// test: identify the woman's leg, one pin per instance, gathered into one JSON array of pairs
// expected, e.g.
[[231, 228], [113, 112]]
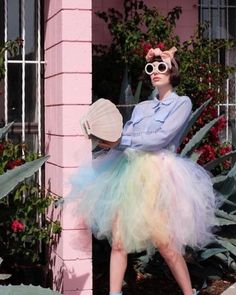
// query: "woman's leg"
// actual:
[[178, 267], [118, 260], [118, 264]]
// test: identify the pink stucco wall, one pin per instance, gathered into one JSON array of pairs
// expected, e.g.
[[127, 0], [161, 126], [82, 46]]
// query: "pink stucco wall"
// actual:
[[185, 25], [68, 40]]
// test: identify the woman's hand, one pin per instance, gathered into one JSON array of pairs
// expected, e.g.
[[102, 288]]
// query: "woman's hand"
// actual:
[[108, 144]]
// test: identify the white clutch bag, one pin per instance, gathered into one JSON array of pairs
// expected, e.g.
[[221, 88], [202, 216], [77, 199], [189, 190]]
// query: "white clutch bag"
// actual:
[[102, 121]]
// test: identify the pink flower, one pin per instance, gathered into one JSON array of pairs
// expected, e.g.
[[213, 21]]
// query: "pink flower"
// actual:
[[17, 226]]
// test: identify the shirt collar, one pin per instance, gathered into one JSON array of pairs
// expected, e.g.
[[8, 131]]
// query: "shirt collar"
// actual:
[[166, 101]]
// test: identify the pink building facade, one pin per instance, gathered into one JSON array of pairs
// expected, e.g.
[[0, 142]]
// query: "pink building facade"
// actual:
[[70, 29]]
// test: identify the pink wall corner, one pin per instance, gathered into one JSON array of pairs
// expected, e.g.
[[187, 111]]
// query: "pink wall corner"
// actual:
[[68, 81], [68, 151], [69, 88], [51, 7], [63, 24], [77, 274], [68, 117], [77, 4], [68, 57], [83, 292], [74, 245], [71, 276], [79, 19]]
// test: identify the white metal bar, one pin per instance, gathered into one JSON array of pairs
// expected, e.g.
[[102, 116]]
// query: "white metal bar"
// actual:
[[227, 109], [39, 99], [23, 68], [227, 104], [39, 77], [13, 61], [5, 65]]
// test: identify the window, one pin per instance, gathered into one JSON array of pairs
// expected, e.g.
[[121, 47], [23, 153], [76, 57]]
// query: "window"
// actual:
[[221, 15], [22, 89]]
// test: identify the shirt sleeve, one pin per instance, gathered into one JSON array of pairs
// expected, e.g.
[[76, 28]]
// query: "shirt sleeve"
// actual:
[[155, 141]]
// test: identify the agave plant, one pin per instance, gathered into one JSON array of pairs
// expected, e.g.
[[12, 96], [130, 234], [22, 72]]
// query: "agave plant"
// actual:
[[26, 290], [224, 246], [8, 181]]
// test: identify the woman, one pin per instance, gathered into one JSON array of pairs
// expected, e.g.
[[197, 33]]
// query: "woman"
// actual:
[[141, 195]]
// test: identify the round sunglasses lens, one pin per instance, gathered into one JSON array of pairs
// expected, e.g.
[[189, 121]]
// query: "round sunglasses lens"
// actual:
[[149, 69], [162, 68]]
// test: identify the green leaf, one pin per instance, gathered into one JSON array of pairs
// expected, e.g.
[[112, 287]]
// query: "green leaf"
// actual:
[[5, 129], [125, 93], [223, 221], [227, 185], [195, 156], [26, 290], [233, 131], [12, 177], [211, 165], [4, 276], [197, 138], [195, 115], [227, 260], [138, 92], [218, 179], [227, 245], [225, 215], [210, 252]]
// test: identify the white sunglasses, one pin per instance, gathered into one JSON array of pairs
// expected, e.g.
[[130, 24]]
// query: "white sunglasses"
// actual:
[[158, 67]]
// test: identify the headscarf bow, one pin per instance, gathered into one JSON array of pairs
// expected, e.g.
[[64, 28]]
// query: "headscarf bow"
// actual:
[[167, 55]]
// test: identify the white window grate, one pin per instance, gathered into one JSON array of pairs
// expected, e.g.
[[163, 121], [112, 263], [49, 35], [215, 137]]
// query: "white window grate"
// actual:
[[23, 19], [221, 15]]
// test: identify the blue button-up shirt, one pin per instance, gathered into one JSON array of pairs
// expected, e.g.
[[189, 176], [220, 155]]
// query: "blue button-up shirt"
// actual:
[[157, 124]]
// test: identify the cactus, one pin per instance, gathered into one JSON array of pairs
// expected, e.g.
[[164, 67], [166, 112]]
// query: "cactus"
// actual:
[[26, 290]]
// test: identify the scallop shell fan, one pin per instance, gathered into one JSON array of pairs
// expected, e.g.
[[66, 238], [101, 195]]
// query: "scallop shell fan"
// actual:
[[103, 120]]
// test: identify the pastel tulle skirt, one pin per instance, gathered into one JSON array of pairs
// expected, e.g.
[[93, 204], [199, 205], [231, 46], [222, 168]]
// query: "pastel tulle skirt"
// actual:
[[141, 200]]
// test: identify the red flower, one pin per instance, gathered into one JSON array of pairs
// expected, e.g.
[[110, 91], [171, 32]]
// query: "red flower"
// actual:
[[161, 46], [146, 47], [11, 164], [208, 153], [224, 150], [17, 226]]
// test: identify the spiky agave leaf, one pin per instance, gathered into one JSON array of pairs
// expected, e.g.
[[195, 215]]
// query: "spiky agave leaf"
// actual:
[[207, 253], [194, 116], [212, 164], [5, 129], [26, 290], [12, 177], [138, 92], [3, 276], [195, 141], [226, 185], [227, 245]]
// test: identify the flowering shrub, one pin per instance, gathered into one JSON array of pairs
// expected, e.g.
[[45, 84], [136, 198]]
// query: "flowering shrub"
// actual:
[[23, 227]]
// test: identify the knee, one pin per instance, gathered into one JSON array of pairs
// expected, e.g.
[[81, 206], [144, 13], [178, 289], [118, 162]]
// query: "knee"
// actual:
[[117, 247], [167, 253]]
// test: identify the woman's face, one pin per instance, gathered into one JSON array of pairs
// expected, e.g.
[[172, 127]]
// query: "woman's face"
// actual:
[[159, 79]]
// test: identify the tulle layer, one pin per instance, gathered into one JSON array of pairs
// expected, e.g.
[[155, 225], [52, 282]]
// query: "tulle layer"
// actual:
[[142, 200]]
